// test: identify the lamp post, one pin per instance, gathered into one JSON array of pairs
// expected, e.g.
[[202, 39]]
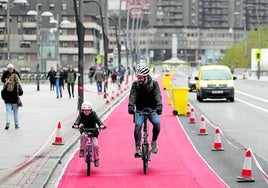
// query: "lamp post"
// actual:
[[56, 30], [259, 37], [117, 40], [38, 16], [105, 44], [9, 6]]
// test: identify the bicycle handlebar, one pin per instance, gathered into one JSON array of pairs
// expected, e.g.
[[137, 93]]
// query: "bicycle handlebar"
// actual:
[[146, 111], [81, 128]]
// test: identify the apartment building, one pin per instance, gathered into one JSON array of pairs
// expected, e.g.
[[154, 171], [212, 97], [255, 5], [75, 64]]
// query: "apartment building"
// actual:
[[48, 38], [204, 28]]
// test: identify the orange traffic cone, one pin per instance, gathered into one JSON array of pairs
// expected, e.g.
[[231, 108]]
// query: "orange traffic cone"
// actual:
[[112, 97], [58, 139], [246, 175], [217, 141], [192, 116], [107, 100], [188, 109], [118, 93], [202, 129]]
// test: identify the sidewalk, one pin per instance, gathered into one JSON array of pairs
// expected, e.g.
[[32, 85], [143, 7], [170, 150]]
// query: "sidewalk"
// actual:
[[28, 157]]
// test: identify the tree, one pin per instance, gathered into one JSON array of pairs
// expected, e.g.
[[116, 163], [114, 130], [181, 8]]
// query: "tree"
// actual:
[[235, 56]]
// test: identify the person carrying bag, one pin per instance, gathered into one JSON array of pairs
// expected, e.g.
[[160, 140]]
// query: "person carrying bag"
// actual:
[[10, 94]]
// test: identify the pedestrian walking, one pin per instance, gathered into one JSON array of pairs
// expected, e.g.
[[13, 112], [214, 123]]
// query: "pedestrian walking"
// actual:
[[122, 72], [59, 81], [99, 78], [70, 79], [91, 72], [11, 91], [50, 76]]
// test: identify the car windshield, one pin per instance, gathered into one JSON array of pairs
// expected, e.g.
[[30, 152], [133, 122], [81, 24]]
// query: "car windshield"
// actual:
[[216, 75]]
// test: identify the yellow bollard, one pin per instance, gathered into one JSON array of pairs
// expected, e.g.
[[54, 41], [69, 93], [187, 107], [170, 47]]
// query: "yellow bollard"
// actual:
[[170, 96], [166, 79]]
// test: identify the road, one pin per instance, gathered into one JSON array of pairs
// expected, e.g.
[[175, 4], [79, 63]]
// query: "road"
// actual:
[[243, 124]]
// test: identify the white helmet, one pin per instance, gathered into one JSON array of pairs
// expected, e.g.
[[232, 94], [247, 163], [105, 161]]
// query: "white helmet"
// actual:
[[86, 106], [142, 71]]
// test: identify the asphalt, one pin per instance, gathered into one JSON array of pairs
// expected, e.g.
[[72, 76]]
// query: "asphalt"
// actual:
[[28, 157]]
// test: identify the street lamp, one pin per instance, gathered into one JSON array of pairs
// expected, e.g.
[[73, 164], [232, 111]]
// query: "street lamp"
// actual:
[[36, 13], [259, 36], [9, 6], [56, 30], [117, 40]]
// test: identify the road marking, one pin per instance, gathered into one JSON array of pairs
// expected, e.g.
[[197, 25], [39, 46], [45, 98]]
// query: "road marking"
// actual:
[[252, 96], [254, 106]]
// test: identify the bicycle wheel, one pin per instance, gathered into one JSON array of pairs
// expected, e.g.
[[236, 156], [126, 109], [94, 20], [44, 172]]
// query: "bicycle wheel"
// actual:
[[145, 157], [88, 159]]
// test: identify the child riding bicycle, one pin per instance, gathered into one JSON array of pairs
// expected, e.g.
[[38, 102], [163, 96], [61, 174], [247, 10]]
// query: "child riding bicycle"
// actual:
[[89, 119], [145, 93]]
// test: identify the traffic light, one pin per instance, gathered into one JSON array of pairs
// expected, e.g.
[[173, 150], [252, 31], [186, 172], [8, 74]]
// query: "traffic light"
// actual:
[[258, 55]]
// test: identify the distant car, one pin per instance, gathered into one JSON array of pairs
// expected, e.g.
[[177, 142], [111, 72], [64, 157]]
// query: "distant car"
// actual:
[[192, 81], [215, 81]]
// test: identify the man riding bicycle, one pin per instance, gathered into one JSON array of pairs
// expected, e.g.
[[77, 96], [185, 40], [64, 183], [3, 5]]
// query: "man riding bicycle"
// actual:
[[145, 93]]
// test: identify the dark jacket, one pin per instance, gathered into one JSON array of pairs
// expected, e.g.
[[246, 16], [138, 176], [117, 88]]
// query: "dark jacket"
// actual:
[[145, 96], [61, 77], [50, 75], [89, 121], [7, 74], [11, 89]]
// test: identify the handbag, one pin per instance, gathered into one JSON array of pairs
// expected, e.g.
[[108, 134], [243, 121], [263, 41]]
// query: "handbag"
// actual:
[[19, 102], [20, 91]]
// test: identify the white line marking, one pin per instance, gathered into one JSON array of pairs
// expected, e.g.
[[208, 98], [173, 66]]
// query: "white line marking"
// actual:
[[252, 105], [252, 96]]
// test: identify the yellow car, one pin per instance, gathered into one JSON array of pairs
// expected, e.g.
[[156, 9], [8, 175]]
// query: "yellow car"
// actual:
[[215, 82]]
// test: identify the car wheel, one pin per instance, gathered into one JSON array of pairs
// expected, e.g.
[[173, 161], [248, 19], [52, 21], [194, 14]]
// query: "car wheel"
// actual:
[[231, 99]]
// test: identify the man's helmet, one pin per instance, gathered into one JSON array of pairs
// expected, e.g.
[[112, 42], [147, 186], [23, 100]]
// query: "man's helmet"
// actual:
[[86, 106], [142, 71]]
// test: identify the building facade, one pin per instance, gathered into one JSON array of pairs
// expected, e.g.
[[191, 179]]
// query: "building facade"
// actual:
[[204, 28], [47, 40]]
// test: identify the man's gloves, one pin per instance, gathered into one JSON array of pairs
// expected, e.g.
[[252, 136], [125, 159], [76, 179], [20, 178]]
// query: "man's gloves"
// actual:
[[131, 109], [158, 110]]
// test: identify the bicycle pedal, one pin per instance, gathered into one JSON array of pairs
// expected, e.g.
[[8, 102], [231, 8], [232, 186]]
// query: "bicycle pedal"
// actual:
[[137, 155]]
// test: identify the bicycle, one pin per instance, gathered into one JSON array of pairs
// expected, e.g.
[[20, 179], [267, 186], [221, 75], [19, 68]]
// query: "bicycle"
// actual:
[[88, 152], [146, 151]]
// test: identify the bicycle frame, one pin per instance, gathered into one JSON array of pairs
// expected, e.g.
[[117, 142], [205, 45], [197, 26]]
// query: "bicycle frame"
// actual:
[[146, 151], [88, 152]]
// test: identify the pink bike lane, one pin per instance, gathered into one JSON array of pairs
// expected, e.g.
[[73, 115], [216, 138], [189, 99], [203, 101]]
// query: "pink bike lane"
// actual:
[[176, 165]]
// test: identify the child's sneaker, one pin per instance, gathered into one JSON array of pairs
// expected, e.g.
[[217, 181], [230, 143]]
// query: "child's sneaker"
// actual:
[[97, 162], [81, 153]]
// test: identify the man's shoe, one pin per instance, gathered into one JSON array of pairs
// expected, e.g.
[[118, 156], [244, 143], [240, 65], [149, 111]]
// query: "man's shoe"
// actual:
[[138, 152], [154, 147], [97, 162], [17, 126], [81, 153]]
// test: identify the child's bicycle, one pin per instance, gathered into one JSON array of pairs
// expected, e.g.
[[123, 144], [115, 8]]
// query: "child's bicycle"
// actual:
[[146, 151], [88, 152]]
